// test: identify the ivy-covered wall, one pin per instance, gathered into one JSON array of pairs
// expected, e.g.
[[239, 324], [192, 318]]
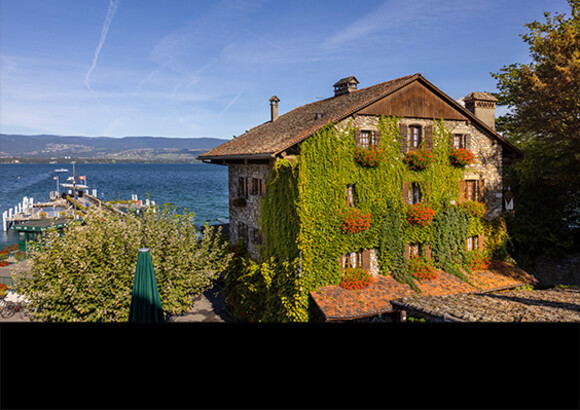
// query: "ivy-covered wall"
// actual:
[[306, 202]]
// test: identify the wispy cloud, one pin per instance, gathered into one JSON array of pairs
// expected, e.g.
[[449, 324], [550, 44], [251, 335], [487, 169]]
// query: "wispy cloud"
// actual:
[[104, 31]]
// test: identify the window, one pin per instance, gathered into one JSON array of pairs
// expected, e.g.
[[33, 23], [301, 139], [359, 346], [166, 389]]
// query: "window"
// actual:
[[414, 193], [350, 195], [472, 243], [365, 139], [458, 141], [472, 190], [242, 187], [351, 260], [414, 249], [414, 136]]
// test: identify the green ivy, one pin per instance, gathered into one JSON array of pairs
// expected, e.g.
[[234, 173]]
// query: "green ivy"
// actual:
[[302, 225]]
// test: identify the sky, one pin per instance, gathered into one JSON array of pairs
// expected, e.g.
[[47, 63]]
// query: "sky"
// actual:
[[207, 68]]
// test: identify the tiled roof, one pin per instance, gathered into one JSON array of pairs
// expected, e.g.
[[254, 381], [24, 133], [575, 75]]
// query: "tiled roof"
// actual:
[[337, 303], [548, 305], [275, 136]]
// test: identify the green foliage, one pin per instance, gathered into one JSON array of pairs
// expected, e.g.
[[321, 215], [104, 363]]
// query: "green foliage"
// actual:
[[543, 98], [87, 274], [303, 215]]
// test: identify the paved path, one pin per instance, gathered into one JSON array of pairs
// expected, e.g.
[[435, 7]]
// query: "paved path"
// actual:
[[210, 306]]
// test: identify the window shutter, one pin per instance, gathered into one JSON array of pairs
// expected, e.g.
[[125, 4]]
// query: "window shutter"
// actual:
[[481, 189], [366, 260], [428, 137], [467, 141], [405, 192], [357, 138], [404, 144], [461, 191], [480, 240], [427, 251], [377, 138], [406, 251]]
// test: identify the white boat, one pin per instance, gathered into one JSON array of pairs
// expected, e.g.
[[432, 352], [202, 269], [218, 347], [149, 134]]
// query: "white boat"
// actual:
[[77, 186], [61, 170]]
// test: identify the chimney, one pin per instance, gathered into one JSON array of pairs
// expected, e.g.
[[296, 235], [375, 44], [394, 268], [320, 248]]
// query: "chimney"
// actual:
[[345, 86], [482, 105], [274, 108]]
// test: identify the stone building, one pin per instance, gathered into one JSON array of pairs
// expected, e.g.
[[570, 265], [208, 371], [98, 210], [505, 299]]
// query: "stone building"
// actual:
[[417, 103]]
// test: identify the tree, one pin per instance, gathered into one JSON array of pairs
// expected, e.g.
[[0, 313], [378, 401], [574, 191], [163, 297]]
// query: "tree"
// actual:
[[544, 121], [87, 273]]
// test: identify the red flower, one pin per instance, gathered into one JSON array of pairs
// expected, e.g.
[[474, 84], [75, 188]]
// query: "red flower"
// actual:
[[421, 268], [418, 160], [368, 157], [355, 221], [461, 157], [420, 214], [356, 278]]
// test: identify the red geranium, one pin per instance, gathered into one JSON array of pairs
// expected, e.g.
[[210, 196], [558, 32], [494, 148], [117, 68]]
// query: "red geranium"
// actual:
[[356, 278], [461, 157], [355, 221], [368, 157], [420, 214], [478, 260], [421, 268], [477, 209], [418, 160]]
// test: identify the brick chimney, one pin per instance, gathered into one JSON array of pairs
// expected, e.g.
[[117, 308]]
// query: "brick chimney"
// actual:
[[482, 105], [345, 86], [274, 108]]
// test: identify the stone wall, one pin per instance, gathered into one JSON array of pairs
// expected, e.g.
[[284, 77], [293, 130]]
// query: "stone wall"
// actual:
[[248, 214], [488, 152]]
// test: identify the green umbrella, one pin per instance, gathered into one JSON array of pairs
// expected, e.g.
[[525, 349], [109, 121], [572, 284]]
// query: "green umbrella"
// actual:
[[145, 300]]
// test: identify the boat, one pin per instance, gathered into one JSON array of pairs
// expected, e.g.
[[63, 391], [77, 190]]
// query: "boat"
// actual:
[[61, 170]]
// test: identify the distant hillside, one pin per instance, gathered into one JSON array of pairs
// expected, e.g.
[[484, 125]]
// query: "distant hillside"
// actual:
[[131, 149]]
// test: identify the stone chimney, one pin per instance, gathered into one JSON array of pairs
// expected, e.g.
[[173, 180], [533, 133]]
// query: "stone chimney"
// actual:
[[345, 86], [274, 108], [482, 105]]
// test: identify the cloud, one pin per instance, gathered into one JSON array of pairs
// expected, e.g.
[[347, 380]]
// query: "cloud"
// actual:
[[107, 23]]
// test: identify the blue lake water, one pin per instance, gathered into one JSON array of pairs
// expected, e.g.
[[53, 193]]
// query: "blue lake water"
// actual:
[[201, 188]]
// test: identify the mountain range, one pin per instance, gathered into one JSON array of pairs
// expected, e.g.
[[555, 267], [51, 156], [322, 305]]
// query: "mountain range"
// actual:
[[42, 148]]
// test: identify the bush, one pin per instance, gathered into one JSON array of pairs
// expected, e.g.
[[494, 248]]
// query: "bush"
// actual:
[[87, 274]]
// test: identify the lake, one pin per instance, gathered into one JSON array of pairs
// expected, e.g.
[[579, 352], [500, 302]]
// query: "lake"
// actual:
[[201, 188]]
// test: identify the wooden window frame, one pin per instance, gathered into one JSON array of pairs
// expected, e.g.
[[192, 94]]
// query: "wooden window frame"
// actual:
[[472, 190], [472, 243], [412, 142], [458, 141]]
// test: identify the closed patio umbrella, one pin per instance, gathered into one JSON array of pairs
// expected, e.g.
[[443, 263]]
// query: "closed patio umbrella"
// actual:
[[145, 300]]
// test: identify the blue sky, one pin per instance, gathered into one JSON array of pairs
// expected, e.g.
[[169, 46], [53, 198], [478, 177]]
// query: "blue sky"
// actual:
[[206, 68]]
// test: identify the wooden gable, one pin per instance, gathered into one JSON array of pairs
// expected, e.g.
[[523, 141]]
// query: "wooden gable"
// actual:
[[414, 100]]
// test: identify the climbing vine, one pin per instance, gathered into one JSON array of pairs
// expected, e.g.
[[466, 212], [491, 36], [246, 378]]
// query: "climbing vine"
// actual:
[[308, 222]]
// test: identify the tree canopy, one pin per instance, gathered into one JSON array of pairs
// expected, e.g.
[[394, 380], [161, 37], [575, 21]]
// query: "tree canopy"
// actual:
[[543, 98], [87, 273]]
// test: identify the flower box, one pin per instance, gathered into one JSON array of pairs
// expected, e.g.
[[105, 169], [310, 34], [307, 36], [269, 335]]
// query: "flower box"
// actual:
[[355, 221], [420, 214], [418, 160], [368, 157], [461, 157], [356, 278]]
